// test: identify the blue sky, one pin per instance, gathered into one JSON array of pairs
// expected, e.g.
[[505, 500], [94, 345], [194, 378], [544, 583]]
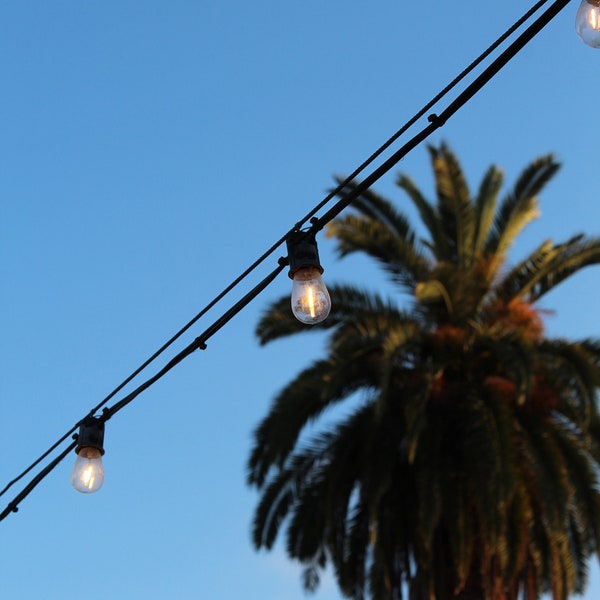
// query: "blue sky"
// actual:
[[149, 153]]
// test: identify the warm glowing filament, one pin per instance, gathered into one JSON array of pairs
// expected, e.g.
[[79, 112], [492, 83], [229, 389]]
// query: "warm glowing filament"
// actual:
[[311, 302], [88, 477], [593, 20]]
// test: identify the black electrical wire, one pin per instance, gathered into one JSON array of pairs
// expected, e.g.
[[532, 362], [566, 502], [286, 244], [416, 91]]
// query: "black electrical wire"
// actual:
[[437, 121], [13, 505], [517, 25], [198, 343], [317, 224], [280, 241]]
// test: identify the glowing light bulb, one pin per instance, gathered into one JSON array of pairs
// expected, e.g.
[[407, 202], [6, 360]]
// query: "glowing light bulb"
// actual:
[[88, 473], [310, 299], [587, 22]]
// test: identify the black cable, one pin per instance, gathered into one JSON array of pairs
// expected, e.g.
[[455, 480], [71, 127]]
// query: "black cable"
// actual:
[[198, 343], [164, 347], [280, 241], [424, 110], [13, 506], [317, 224], [438, 121]]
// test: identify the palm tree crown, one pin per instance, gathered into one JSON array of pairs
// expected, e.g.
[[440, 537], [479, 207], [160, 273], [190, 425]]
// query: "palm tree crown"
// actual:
[[468, 468]]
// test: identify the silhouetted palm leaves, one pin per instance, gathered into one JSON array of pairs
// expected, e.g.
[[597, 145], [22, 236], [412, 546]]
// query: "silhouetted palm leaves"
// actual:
[[468, 469]]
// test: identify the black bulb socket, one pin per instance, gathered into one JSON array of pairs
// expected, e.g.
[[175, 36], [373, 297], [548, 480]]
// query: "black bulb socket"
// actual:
[[302, 252], [91, 435]]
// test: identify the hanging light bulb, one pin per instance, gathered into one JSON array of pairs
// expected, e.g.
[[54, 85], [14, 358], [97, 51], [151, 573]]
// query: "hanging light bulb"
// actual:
[[310, 299], [587, 22], [88, 473]]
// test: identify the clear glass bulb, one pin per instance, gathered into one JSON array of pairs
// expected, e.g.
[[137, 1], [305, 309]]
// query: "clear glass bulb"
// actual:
[[310, 299], [587, 22], [88, 473]]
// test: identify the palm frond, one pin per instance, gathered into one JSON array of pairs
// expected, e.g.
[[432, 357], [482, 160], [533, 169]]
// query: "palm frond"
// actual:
[[375, 207], [520, 207], [485, 206], [279, 497], [573, 257], [428, 468], [512, 284], [306, 530], [401, 257], [547, 267], [575, 375], [469, 464], [351, 563], [549, 478], [585, 503], [461, 532], [519, 525], [454, 204], [353, 364], [316, 388], [429, 215]]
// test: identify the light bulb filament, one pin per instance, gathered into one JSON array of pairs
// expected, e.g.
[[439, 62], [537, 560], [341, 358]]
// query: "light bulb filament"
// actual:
[[311, 302], [88, 478]]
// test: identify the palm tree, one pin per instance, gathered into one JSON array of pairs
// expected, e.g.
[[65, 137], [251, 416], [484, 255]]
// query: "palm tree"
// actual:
[[467, 467]]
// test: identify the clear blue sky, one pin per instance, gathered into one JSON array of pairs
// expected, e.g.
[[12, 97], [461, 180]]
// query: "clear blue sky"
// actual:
[[149, 152]]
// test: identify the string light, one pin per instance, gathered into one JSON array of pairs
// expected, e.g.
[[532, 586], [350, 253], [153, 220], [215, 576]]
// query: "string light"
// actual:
[[587, 22], [88, 473], [302, 256], [310, 299]]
